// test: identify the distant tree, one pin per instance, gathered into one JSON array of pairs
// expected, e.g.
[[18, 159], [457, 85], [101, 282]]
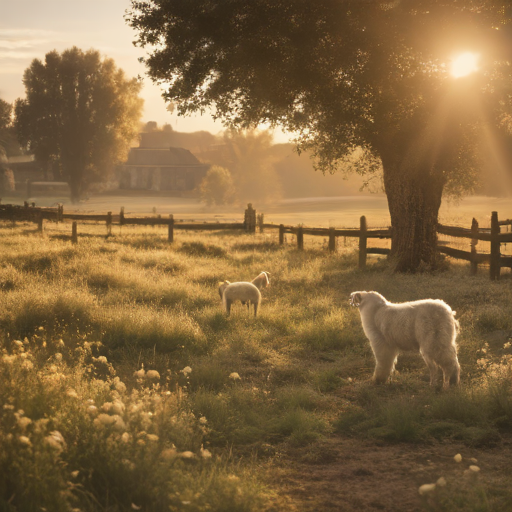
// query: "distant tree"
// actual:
[[9, 145], [79, 116], [217, 187], [5, 120], [247, 155], [345, 74]]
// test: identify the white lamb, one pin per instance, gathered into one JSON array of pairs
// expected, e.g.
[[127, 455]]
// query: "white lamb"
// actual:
[[245, 292], [427, 326]]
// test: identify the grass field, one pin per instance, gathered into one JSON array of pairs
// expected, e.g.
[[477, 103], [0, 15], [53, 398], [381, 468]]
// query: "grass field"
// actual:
[[125, 387]]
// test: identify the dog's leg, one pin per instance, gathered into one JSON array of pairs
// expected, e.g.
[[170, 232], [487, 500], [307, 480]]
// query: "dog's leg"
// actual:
[[385, 363]]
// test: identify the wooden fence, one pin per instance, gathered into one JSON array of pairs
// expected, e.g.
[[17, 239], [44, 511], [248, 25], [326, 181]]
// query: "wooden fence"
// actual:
[[475, 234]]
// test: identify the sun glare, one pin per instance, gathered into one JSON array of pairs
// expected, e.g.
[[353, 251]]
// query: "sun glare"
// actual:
[[464, 64]]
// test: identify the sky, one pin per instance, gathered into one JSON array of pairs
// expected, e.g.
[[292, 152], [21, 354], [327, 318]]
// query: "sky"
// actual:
[[29, 29]]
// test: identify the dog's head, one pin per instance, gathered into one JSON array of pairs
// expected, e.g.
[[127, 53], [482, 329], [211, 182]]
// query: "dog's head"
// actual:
[[222, 287], [356, 298], [368, 298]]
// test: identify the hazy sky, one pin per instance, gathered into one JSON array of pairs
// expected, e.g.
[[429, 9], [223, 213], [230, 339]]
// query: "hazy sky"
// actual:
[[31, 28]]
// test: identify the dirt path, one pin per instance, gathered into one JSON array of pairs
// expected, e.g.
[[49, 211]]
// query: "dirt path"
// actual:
[[350, 475]]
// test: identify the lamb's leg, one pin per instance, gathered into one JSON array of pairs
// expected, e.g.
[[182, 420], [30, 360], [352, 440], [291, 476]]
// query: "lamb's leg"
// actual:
[[255, 308], [385, 359], [228, 306], [432, 366]]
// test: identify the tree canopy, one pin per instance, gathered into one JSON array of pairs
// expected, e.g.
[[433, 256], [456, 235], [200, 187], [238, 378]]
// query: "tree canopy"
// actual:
[[79, 116], [346, 75]]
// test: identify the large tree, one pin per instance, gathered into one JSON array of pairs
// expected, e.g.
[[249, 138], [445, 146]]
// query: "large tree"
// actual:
[[347, 75], [79, 116]]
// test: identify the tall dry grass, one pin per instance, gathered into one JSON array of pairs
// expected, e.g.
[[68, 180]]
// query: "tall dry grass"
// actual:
[[78, 322]]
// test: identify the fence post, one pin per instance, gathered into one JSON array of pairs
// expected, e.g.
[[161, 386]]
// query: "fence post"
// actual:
[[170, 236], [300, 239], [260, 218], [74, 233], [121, 216], [495, 247], [362, 242], [109, 223], [332, 240], [281, 234], [250, 219], [474, 242], [40, 221]]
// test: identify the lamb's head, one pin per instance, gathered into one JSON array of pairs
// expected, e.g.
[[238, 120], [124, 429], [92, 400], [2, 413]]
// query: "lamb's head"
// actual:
[[222, 287], [263, 280], [360, 299]]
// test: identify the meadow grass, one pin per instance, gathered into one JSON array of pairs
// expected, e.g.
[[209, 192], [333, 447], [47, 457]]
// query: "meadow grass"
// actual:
[[120, 370]]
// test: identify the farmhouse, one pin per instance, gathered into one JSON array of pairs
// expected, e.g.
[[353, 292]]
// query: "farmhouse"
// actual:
[[161, 169]]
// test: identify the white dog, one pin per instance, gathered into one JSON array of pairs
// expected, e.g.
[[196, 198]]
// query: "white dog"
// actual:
[[427, 326]]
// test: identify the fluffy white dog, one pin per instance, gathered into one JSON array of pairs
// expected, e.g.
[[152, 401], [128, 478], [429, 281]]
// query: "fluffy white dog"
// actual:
[[427, 326]]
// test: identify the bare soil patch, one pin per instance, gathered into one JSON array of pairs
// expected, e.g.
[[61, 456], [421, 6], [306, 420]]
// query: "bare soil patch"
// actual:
[[348, 475]]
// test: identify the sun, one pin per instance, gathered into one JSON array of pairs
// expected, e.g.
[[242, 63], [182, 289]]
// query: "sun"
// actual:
[[464, 64]]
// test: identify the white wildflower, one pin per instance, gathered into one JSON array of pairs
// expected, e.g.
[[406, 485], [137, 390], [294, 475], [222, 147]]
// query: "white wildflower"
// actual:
[[117, 407], [101, 359], [8, 359], [234, 376], [187, 455], [186, 370], [152, 375], [441, 482], [118, 422], [475, 469], [203, 420], [139, 374], [426, 488], [152, 437], [56, 441], [18, 343], [24, 440], [27, 365], [92, 410], [58, 357], [119, 385], [458, 457], [74, 474], [125, 437], [24, 422], [473, 460], [169, 454], [72, 393], [104, 420], [135, 507]]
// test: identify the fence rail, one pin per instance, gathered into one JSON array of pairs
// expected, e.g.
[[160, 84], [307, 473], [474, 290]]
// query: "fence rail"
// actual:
[[476, 234]]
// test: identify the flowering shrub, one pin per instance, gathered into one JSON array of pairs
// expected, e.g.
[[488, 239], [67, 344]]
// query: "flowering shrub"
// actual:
[[74, 437]]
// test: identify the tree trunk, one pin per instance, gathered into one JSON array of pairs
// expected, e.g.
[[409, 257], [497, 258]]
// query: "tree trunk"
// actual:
[[414, 198]]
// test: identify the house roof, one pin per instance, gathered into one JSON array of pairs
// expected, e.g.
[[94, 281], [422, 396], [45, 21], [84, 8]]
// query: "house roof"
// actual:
[[162, 156]]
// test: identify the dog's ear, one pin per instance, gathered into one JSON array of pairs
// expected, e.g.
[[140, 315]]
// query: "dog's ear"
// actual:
[[355, 299]]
